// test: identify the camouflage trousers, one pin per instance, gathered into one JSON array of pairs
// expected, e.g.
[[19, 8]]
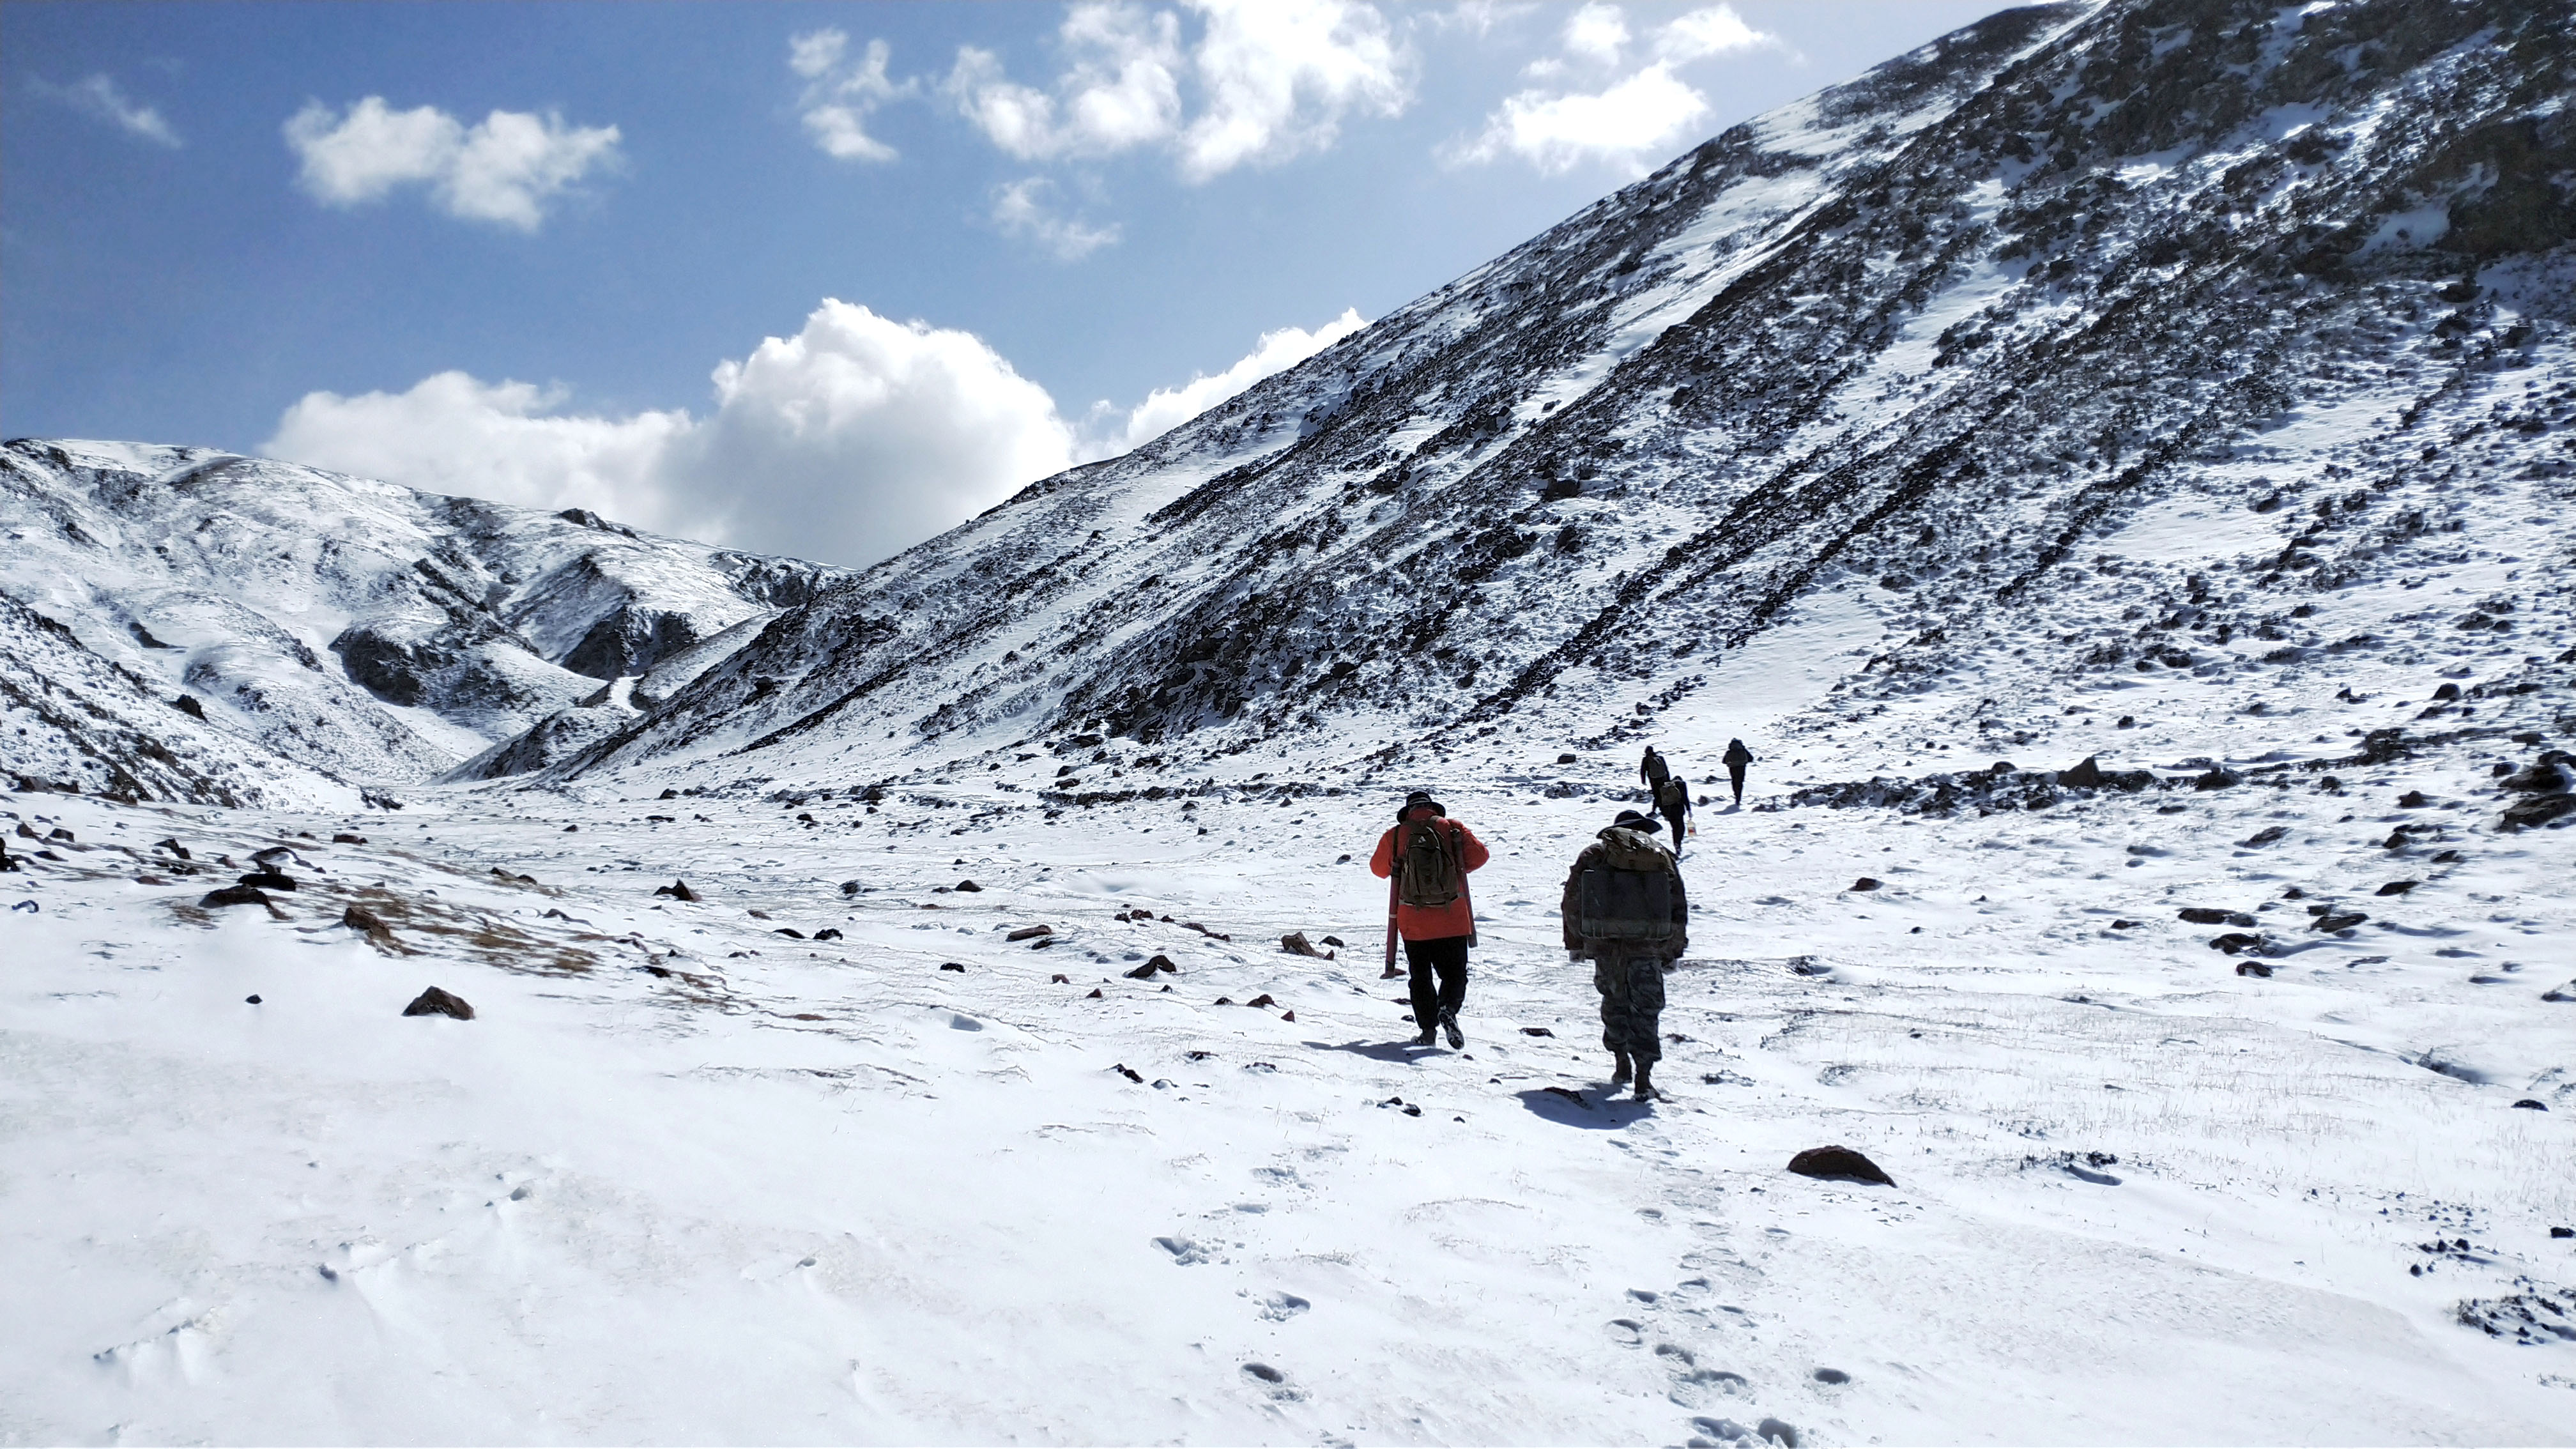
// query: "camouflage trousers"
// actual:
[[1632, 1001]]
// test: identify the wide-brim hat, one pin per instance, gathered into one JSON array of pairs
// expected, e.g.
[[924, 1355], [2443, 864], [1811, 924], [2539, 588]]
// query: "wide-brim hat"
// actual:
[[1632, 820], [1418, 798]]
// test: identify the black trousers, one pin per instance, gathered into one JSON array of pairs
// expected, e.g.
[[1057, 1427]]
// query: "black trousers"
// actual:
[[1675, 816], [1447, 956], [1735, 773]]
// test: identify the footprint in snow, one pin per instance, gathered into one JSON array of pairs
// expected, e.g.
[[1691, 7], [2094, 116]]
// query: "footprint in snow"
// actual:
[[1185, 1252], [1280, 1307]]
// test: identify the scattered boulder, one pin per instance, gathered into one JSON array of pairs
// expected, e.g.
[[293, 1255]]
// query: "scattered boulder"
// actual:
[[1838, 1162], [434, 1002], [2252, 968], [1296, 944], [2534, 1104], [1832, 1376], [345, 838], [359, 918], [1536, 1031], [677, 890], [1030, 933], [2085, 776], [1865, 883], [2234, 942], [2537, 811], [2264, 836], [790, 932], [2412, 800], [1262, 1000], [269, 880], [2212, 916], [189, 705], [1124, 1070], [2397, 887], [957, 966], [173, 846], [2560, 993], [1334, 941], [2333, 921], [2217, 777], [828, 933], [969, 887], [235, 895]]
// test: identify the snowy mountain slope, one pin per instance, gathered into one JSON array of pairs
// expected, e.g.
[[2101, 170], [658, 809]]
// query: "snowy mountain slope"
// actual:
[[1908, 351], [352, 628]]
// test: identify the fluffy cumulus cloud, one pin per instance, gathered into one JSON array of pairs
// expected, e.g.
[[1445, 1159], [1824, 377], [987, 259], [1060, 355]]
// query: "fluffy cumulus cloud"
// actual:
[[505, 169], [100, 97], [848, 442], [1600, 111], [1261, 81], [1165, 408], [840, 93]]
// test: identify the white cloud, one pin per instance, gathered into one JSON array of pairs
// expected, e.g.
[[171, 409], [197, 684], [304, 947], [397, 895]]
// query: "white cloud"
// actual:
[[848, 442], [502, 170], [1596, 33], [1279, 76], [1167, 408], [840, 95], [100, 96], [1630, 121], [1026, 208], [1121, 87], [1274, 79], [1716, 30]]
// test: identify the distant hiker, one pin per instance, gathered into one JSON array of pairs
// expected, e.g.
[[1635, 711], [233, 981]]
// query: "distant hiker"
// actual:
[[1653, 771], [1737, 757], [1425, 860], [1625, 912], [1672, 801]]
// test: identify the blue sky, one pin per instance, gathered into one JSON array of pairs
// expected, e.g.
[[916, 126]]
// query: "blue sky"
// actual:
[[582, 253]]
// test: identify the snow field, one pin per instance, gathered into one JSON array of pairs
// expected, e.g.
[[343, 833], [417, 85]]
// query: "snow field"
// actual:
[[829, 1191]]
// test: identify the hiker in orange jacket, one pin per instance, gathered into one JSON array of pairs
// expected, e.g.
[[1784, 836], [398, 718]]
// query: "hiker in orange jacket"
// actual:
[[1427, 857]]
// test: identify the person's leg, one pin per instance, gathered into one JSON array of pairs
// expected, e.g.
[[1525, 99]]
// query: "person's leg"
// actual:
[[1674, 818], [1735, 776], [1420, 955], [1645, 973], [1612, 982], [1452, 965]]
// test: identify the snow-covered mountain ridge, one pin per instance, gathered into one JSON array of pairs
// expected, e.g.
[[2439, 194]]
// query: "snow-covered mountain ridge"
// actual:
[[191, 624], [1913, 355]]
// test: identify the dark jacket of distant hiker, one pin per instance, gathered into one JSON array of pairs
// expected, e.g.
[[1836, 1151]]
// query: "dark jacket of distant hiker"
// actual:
[[1433, 923], [1628, 970], [1652, 771], [1672, 801], [1737, 757]]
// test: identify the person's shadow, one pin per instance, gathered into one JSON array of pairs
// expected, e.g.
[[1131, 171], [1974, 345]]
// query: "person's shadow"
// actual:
[[1596, 1109], [1377, 1051]]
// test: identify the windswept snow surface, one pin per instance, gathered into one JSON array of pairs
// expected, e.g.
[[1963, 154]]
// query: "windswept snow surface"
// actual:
[[686, 1178]]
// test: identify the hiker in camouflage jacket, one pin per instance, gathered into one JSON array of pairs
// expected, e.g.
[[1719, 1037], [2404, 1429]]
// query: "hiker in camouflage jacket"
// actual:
[[1630, 977]]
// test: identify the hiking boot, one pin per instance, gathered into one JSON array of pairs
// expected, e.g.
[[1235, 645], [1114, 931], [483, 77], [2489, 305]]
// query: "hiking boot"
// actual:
[[1449, 1024], [1430, 1037], [1619, 1069], [1645, 1088]]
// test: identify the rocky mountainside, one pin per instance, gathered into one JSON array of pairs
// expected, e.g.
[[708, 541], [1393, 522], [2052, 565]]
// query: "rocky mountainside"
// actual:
[[2089, 341], [182, 623]]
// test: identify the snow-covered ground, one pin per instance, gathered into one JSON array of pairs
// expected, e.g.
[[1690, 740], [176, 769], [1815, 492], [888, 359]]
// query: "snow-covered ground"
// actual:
[[687, 1178]]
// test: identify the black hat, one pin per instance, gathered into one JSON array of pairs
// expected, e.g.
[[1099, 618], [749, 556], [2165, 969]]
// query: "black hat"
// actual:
[[1631, 820], [1418, 797]]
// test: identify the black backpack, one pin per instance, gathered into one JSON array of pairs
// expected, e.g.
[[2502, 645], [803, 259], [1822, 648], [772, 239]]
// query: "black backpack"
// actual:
[[1656, 771], [1427, 869]]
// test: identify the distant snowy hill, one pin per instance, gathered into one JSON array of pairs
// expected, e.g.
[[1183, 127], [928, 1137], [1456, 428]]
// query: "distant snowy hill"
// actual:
[[182, 623], [2083, 342]]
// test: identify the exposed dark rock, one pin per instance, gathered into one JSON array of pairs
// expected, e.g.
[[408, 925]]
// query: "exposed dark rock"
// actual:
[[1865, 883], [2412, 800], [828, 933], [1296, 944], [2333, 921], [189, 705], [2264, 836], [2212, 916], [2252, 968], [434, 1002], [269, 880], [1536, 1031], [790, 932], [2236, 941], [1030, 933], [235, 895], [968, 886], [957, 966], [345, 838], [2534, 1103], [2217, 778], [677, 890], [1838, 1162], [359, 918], [2397, 887], [2086, 775]]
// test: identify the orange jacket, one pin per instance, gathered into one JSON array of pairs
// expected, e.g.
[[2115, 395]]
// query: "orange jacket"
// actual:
[[1433, 923]]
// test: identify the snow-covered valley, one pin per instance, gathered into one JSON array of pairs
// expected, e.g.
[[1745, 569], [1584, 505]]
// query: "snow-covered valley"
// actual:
[[2111, 466]]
